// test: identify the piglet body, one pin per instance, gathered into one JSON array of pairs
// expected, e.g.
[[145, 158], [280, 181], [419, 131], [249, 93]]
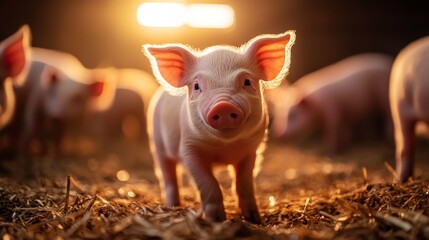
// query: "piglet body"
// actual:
[[409, 101], [222, 119], [333, 98]]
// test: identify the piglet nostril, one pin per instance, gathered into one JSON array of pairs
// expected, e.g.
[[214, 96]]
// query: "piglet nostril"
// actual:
[[224, 115]]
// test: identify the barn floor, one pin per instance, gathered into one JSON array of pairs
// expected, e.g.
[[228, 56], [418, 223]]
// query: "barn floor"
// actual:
[[302, 194]]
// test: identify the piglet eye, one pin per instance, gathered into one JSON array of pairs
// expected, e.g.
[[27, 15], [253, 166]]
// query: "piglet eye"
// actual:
[[248, 86], [196, 87]]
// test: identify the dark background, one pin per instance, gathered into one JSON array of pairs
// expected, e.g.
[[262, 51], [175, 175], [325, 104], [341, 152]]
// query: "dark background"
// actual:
[[106, 32]]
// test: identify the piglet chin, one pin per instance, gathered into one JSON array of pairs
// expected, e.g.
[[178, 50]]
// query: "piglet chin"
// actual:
[[224, 115]]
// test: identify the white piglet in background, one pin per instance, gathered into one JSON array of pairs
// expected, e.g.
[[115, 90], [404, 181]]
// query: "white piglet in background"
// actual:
[[14, 54], [334, 99], [127, 98], [222, 119], [409, 101], [57, 90]]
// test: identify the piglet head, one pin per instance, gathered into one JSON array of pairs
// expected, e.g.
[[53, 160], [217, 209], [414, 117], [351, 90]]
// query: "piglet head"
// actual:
[[224, 84], [294, 114], [14, 55], [65, 97]]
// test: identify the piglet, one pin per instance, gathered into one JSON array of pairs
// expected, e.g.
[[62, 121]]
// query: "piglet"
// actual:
[[14, 54], [334, 99], [409, 101], [222, 119], [57, 90], [124, 115]]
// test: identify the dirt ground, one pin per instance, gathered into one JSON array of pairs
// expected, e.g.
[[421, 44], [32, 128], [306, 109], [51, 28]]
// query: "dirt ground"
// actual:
[[303, 193]]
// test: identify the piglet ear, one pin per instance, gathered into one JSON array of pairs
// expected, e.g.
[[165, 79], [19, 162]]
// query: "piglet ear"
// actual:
[[96, 88], [14, 52], [102, 87], [170, 64], [272, 54]]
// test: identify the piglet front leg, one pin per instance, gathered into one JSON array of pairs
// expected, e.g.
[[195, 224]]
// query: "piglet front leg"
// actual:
[[168, 176], [211, 194], [245, 189], [25, 165]]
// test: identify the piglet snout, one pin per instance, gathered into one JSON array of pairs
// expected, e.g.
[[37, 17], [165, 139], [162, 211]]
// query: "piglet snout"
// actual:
[[224, 115]]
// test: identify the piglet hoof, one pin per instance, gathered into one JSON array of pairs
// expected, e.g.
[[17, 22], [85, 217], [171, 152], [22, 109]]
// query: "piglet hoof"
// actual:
[[403, 174], [249, 210], [404, 170], [215, 212], [172, 195], [253, 217], [173, 203]]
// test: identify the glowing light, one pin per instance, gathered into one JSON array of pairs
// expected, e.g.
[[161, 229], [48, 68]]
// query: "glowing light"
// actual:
[[121, 191], [131, 194], [165, 14], [210, 16], [123, 175], [290, 174], [272, 200], [161, 14]]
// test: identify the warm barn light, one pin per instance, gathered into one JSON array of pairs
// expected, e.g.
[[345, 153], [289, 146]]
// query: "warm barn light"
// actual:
[[165, 14], [161, 14], [210, 16]]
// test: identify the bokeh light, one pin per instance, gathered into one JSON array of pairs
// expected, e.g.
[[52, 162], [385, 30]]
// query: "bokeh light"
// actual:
[[272, 200], [123, 175], [131, 194]]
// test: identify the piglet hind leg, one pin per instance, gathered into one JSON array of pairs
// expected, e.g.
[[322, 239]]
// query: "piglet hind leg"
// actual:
[[57, 137], [405, 146], [245, 189], [56, 161], [333, 129]]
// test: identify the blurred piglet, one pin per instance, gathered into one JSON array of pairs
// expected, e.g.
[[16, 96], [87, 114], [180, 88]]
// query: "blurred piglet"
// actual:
[[333, 99], [57, 90], [409, 101], [123, 116], [222, 119], [14, 54]]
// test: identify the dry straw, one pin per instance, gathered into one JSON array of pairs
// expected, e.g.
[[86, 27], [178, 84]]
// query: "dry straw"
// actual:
[[69, 209]]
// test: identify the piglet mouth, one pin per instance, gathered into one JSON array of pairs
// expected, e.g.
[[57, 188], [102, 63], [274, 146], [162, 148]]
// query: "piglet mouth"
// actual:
[[224, 115]]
